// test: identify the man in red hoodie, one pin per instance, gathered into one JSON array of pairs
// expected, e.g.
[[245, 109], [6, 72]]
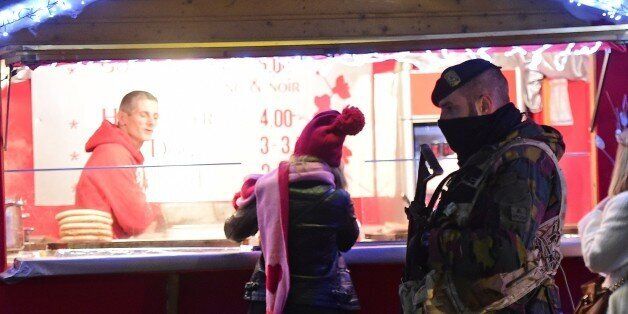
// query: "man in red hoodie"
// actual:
[[120, 191]]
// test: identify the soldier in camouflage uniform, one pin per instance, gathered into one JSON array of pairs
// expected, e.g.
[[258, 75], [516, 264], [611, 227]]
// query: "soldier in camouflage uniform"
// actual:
[[484, 234]]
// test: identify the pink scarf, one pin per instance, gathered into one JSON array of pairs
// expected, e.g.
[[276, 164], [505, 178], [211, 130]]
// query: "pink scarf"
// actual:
[[271, 194]]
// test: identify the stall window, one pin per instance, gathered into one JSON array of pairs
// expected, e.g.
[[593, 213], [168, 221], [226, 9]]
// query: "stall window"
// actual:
[[219, 120]]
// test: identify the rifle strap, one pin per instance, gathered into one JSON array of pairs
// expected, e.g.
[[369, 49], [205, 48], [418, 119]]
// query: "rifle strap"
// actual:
[[439, 190]]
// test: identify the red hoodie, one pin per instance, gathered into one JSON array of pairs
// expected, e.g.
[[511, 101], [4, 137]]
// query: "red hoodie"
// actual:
[[115, 190]]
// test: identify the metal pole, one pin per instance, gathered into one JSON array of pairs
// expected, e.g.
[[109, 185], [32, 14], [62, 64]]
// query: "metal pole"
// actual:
[[3, 249], [600, 86]]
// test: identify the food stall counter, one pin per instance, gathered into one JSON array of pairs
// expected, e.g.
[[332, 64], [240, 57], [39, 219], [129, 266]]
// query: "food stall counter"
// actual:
[[111, 260]]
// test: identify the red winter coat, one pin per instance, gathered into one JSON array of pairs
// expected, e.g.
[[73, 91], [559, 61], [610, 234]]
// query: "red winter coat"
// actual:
[[116, 191]]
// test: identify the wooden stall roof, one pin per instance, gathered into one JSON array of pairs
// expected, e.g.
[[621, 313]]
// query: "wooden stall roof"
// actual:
[[133, 29]]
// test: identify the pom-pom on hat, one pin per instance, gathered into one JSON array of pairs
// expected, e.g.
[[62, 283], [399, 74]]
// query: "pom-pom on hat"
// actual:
[[324, 136]]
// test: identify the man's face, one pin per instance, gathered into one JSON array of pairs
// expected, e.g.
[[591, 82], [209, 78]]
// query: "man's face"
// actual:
[[141, 122], [457, 105]]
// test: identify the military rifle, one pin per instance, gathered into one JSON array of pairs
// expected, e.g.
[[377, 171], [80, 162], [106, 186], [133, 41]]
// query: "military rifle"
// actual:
[[418, 216]]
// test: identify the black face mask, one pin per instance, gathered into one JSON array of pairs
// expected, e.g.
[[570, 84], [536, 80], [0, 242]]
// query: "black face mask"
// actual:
[[467, 135]]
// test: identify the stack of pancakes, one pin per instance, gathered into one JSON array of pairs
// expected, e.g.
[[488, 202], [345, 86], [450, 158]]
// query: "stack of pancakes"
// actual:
[[84, 225]]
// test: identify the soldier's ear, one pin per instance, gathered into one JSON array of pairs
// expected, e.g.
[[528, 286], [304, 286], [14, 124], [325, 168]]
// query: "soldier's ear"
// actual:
[[485, 105]]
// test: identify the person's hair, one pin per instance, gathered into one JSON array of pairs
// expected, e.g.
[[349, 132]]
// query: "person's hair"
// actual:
[[339, 177], [619, 178], [491, 82], [127, 104]]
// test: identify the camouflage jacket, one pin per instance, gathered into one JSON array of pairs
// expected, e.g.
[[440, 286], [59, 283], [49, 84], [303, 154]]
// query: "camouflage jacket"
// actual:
[[519, 194]]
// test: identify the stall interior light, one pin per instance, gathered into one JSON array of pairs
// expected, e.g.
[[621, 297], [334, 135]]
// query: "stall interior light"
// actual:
[[613, 9], [27, 14]]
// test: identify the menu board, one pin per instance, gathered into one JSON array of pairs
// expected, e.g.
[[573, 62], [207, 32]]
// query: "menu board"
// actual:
[[220, 119]]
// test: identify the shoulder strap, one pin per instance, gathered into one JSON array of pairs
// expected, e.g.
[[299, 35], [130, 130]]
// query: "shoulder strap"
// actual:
[[439, 189]]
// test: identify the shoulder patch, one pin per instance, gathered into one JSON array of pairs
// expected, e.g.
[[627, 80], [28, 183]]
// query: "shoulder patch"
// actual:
[[518, 214]]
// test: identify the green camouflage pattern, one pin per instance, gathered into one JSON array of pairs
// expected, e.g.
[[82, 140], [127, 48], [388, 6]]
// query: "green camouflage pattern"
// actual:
[[520, 192]]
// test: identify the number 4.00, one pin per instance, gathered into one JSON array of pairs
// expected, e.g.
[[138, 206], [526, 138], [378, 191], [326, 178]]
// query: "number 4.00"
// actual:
[[281, 118]]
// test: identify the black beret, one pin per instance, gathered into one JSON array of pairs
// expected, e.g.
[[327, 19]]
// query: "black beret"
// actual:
[[456, 76]]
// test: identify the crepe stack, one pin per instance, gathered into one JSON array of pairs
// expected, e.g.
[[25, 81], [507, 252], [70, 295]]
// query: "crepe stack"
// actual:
[[84, 225]]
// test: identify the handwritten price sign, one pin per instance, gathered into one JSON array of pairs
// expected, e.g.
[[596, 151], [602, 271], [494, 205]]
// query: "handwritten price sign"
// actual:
[[248, 111]]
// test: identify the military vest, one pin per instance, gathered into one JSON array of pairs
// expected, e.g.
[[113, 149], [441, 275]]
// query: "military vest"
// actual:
[[437, 292]]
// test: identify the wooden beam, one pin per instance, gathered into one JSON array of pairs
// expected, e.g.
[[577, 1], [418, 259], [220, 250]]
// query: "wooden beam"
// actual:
[[167, 21], [33, 54]]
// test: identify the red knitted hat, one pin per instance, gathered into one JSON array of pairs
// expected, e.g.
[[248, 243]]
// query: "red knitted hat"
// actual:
[[324, 135]]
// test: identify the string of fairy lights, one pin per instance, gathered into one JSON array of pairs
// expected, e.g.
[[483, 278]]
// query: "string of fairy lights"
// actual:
[[612, 9], [30, 13]]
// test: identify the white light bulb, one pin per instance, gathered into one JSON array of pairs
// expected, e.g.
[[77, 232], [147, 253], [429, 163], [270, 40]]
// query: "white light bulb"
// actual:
[[65, 5], [470, 52], [39, 15], [83, 2], [19, 8], [599, 142], [5, 34], [483, 53], [617, 18]]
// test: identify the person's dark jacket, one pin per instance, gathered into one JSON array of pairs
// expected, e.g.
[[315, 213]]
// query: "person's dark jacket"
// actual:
[[322, 225]]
